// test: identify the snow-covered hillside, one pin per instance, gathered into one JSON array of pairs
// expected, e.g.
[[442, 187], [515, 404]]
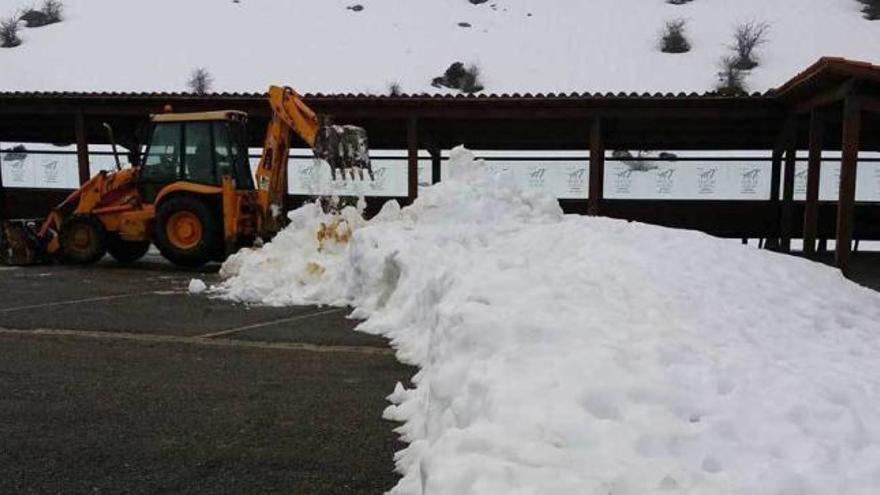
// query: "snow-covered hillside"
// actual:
[[576, 355], [322, 46]]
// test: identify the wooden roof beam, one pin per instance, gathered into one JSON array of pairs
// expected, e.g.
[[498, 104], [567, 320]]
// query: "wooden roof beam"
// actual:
[[825, 98]]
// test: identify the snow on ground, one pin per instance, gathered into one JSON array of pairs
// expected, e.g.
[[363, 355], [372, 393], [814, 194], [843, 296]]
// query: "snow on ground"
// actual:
[[321, 46], [577, 355]]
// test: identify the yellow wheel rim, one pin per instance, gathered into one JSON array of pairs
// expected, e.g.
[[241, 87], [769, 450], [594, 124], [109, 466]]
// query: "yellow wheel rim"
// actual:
[[82, 237], [184, 230]]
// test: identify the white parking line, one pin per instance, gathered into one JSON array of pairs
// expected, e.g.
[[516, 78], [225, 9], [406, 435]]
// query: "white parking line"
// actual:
[[77, 301], [199, 341], [269, 323]]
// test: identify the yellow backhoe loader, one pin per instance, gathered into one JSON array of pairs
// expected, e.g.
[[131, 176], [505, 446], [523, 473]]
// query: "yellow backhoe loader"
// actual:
[[193, 194]]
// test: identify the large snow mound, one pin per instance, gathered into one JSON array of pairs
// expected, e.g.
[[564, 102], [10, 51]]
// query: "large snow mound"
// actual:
[[566, 354], [322, 46]]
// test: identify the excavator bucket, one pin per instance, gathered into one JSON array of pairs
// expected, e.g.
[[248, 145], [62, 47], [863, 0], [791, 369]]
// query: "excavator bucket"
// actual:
[[20, 244], [346, 149]]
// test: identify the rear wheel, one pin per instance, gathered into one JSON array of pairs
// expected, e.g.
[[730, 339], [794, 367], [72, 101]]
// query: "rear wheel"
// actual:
[[126, 251], [186, 231], [83, 240]]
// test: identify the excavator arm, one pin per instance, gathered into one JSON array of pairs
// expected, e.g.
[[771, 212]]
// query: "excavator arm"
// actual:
[[345, 149]]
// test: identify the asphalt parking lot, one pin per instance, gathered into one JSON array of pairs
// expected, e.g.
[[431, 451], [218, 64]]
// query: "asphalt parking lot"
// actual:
[[115, 380]]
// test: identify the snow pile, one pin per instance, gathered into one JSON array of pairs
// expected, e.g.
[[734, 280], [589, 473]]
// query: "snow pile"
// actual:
[[519, 45], [566, 354]]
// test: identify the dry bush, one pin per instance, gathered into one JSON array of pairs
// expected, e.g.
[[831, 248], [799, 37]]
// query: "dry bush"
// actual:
[[394, 89], [54, 10], [9, 33], [457, 76], [50, 12], [871, 9], [200, 81], [746, 38], [673, 39], [731, 79]]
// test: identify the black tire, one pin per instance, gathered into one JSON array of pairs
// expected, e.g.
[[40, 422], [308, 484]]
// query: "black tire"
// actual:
[[83, 240], [126, 251], [207, 243]]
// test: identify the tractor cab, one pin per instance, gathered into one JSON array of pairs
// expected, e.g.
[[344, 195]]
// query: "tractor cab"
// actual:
[[200, 148]]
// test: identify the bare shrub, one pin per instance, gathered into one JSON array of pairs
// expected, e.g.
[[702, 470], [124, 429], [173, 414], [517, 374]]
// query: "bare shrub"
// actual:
[[471, 81], [746, 38], [51, 12], [54, 10], [731, 79], [871, 9], [457, 76], [673, 39], [200, 81], [9, 33], [394, 89]]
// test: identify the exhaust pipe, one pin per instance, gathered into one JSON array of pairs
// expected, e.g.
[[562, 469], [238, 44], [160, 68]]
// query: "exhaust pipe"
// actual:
[[113, 143]]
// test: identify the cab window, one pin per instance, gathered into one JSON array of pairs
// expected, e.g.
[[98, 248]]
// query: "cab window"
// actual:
[[222, 150], [162, 163], [198, 159], [244, 178]]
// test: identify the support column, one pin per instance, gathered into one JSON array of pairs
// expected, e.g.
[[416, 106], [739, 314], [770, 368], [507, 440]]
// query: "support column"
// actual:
[[852, 124], [772, 242], [82, 148], [436, 160], [412, 143], [597, 168], [814, 171], [2, 190], [787, 195]]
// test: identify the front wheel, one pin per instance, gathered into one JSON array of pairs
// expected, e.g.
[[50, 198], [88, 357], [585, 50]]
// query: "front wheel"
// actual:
[[186, 231], [83, 240]]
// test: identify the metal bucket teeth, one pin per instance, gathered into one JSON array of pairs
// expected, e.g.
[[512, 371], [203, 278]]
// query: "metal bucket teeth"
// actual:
[[345, 148], [19, 244]]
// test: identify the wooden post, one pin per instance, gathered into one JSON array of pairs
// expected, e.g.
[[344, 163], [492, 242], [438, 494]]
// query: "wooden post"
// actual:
[[814, 170], [787, 195], [2, 189], [597, 168], [412, 143], [775, 172], [436, 160], [82, 148], [852, 124]]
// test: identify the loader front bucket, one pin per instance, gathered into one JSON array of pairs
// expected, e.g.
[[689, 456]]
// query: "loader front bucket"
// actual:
[[346, 150], [20, 244]]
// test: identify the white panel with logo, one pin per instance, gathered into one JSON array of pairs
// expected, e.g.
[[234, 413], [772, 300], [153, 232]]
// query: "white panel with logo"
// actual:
[[693, 180], [563, 174]]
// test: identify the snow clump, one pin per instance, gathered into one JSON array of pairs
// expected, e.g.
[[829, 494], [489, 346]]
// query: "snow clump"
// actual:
[[196, 286]]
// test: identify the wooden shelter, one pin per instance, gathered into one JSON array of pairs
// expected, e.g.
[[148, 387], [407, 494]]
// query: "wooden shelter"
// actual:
[[832, 105]]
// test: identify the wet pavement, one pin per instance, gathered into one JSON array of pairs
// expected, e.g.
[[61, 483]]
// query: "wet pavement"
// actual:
[[115, 380]]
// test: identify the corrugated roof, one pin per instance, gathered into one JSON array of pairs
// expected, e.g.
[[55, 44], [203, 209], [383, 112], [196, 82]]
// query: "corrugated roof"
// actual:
[[826, 71], [339, 96], [829, 68]]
